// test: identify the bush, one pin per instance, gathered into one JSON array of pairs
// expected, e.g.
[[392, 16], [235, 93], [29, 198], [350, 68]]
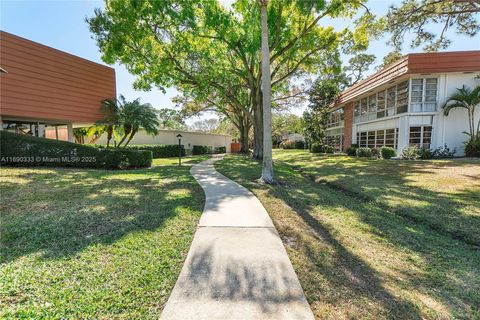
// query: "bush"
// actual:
[[387, 152], [410, 153], [159, 151], [321, 148], [364, 152], [443, 153], [472, 148], [199, 150], [375, 152], [425, 153], [352, 150], [299, 144], [220, 150], [287, 144], [22, 150], [328, 149], [316, 148]]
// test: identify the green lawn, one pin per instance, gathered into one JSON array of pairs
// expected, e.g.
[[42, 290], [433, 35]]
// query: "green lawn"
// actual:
[[91, 243], [174, 161], [376, 239]]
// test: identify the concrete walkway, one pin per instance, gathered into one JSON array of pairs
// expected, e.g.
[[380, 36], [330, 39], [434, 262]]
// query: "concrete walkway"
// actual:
[[237, 267]]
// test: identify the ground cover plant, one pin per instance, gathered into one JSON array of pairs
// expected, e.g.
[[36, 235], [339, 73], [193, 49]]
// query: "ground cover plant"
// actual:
[[361, 238], [79, 243]]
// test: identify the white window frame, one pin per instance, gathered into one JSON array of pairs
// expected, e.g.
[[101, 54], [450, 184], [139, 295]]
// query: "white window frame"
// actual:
[[424, 95]]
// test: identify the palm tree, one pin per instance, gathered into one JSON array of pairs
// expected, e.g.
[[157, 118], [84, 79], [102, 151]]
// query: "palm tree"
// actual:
[[110, 122], [468, 99], [134, 116], [267, 168]]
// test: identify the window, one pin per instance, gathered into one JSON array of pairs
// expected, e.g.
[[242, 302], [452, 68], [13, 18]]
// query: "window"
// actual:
[[391, 138], [381, 104], [335, 118], [424, 95], [402, 97], [334, 138], [391, 92], [372, 107], [421, 136], [393, 100], [378, 138], [362, 140]]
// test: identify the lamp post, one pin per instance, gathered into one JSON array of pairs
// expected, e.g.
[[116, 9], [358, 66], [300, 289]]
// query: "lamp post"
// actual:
[[179, 136]]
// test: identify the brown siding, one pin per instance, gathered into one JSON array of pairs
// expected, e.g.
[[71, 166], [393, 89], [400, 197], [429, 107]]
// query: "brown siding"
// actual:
[[435, 62], [458, 61], [348, 124], [45, 83]]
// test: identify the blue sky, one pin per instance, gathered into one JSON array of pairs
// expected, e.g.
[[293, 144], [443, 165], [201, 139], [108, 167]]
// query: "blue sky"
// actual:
[[61, 25]]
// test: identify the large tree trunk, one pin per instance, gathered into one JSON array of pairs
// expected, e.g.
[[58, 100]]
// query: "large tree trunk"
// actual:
[[244, 135], [267, 168], [258, 132]]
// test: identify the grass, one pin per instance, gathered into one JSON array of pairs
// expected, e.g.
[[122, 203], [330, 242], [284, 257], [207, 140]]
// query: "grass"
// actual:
[[356, 258], [189, 160], [92, 243]]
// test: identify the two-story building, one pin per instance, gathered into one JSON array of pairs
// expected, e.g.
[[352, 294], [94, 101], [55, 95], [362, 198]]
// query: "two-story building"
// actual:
[[401, 105]]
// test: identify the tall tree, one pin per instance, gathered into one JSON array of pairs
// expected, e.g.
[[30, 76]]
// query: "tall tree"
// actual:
[[267, 167], [207, 51], [357, 66], [390, 58], [415, 15], [171, 119]]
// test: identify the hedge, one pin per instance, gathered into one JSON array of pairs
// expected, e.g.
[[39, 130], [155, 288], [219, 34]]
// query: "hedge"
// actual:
[[197, 150], [22, 150], [158, 150]]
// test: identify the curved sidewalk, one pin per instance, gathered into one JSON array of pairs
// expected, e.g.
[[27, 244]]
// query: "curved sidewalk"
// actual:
[[237, 267]]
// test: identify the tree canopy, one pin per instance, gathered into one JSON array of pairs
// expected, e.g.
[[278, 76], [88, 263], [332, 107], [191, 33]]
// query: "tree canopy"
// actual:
[[212, 55], [414, 16]]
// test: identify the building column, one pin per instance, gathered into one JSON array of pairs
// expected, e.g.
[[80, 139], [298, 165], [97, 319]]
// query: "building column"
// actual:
[[347, 126], [71, 138], [403, 133], [1, 123]]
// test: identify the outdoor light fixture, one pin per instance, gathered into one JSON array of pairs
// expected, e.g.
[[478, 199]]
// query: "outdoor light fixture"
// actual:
[[179, 136]]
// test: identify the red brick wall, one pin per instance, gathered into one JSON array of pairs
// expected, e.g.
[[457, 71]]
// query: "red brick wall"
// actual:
[[347, 130]]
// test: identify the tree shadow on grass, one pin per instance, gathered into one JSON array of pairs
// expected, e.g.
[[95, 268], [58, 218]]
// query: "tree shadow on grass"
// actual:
[[448, 271], [59, 212], [388, 184]]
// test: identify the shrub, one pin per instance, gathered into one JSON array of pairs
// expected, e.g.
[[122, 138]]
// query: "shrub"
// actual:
[[21, 150], [321, 148], [443, 153], [199, 150], [352, 150], [410, 153], [160, 151], [328, 149], [375, 152], [364, 152], [299, 144], [316, 148], [287, 144], [472, 148], [387, 152], [220, 150], [425, 153]]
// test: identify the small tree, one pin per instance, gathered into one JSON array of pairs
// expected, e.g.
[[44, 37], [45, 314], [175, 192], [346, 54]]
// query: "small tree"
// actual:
[[110, 108], [134, 116], [468, 99]]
